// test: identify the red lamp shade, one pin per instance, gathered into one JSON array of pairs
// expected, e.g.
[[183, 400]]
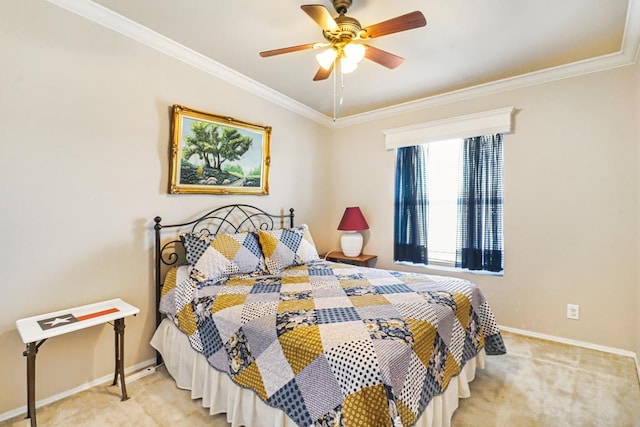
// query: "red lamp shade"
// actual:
[[353, 220]]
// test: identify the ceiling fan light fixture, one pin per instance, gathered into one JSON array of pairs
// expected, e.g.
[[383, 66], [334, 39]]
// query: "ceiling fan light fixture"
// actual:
[[347, 65], [354, 52], [326, 58]]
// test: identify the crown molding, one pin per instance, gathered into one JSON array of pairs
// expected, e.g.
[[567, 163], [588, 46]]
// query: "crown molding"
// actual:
[[551, 74], [125, 26]]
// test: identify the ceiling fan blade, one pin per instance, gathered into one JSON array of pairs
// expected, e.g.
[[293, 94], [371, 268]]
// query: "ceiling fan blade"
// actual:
[[323, 74], [395, 25], [321, 15], [273, 52], [382, 57]]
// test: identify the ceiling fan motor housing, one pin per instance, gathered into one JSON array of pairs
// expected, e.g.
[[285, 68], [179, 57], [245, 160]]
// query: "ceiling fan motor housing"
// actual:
[[348, 29]]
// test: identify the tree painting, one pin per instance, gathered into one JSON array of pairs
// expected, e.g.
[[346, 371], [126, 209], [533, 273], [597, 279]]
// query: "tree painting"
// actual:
[[213, 154], [209, 153]]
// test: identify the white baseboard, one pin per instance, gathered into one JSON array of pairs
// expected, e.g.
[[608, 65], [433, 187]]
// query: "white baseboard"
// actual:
[[141, 374], [140, 370], [577, 343]]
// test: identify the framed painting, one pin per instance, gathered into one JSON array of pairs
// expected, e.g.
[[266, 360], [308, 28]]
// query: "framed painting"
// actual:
[[213, 154]]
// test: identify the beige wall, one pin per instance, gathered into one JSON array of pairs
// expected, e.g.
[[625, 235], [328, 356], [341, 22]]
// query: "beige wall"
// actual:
[[571, 203], [84, 128]]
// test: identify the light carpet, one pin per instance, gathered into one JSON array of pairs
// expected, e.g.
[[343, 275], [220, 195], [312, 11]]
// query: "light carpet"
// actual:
[[537, 383]]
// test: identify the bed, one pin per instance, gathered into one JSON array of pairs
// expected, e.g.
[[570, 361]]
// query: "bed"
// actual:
[[257, 326]]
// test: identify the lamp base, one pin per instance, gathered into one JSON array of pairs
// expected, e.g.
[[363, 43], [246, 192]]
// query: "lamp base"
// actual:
[[351, 243]]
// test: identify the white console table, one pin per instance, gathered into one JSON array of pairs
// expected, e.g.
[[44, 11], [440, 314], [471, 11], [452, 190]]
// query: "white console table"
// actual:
[[35, 330]]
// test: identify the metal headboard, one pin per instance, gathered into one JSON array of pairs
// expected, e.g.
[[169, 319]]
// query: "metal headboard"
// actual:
[[225, 219]]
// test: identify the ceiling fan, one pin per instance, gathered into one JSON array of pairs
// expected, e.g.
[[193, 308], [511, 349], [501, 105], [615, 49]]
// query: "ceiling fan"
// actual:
[[347, 40]]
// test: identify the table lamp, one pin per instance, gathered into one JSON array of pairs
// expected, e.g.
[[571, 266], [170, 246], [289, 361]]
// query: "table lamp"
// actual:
[[352, 222]]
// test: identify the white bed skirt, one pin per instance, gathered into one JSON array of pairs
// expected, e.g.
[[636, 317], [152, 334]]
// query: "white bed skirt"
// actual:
[[243, 407]]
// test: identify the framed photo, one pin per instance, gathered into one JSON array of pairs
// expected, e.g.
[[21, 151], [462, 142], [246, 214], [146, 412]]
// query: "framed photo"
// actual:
[[213, 154]]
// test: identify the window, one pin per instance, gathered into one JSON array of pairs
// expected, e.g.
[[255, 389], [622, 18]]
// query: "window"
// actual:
[[443, 182], [452, 213], [448, 201]]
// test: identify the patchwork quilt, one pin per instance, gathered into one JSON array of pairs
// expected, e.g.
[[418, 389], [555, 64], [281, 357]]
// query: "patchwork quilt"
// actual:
[[332, 344]]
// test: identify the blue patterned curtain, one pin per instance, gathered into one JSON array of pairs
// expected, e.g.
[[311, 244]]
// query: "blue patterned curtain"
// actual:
[[479, 243], [411, 206]]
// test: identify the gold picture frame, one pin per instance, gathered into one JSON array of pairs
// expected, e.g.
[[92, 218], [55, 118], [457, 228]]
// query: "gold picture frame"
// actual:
[[213, 154]]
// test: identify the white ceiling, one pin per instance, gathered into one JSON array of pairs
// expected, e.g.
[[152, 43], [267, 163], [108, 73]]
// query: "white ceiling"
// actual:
[[466, 43]]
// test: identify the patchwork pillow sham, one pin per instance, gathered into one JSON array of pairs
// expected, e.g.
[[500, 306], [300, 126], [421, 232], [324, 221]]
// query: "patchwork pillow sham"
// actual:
[[287, 247], [218, 255]]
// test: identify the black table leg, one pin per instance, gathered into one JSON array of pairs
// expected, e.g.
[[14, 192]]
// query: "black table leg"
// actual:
[[30, 354], [118, 327]]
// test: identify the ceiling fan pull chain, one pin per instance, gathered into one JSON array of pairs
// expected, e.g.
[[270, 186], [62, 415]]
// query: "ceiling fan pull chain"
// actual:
[[341, 89], [335, 84]]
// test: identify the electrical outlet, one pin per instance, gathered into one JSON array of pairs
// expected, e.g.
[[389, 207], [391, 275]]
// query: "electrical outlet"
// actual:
[[573, 311]]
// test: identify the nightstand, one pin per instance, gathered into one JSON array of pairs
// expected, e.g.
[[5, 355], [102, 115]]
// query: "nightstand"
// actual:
[[361, 260]]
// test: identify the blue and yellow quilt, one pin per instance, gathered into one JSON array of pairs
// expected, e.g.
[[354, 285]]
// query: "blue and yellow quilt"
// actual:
[[336, 345]]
